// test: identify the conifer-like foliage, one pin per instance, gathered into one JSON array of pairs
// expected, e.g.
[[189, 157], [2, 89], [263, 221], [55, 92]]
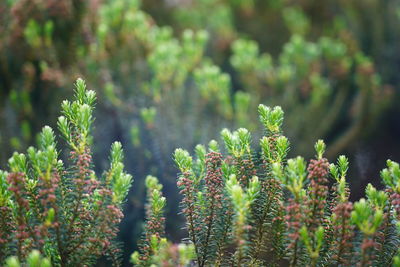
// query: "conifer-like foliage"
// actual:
[[155, 250], [63, 210], [249, 208]]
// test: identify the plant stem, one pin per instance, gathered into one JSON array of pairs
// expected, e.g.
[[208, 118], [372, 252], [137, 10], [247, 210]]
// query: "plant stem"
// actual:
[[209, 229], [294, 260]]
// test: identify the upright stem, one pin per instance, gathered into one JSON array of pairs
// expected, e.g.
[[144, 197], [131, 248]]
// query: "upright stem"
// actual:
[[294, 260], [260, 231], [209, 228], [340, 250], [192, 235], [240, 249]]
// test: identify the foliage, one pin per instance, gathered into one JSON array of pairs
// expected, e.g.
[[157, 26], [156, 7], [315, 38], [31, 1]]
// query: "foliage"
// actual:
[[152, 75], [155, 250], [321, 84], [172, 73], [34, 259], [67, 213], [38, 49], [312, 82], [244, 208]]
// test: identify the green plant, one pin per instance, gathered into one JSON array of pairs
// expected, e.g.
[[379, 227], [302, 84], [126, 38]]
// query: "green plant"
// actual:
[[174, 78], [170, 75], [244, 208], [39, 48], [34, 259], [154, 247], [67, 212], [313, 82]]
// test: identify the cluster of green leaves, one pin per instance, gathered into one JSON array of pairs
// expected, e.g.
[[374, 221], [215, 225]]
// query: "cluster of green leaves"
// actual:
[[66, 212], [310, 80], [250, 209]]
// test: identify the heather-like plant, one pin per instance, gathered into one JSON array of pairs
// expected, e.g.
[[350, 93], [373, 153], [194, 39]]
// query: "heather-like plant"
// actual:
[[155, 222], [63, 210], [41, 41], [311, 81], [248, 208], [368, 26], [162, 82], [321, 84], [155, 250], [171, 76]]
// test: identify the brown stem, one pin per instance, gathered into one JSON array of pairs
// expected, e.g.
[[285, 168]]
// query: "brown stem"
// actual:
[[75, 211]]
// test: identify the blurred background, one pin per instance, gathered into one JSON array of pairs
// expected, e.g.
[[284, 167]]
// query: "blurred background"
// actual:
[[173, 73]]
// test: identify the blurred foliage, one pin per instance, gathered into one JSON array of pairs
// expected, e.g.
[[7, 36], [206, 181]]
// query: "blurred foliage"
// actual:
[[174, 72]]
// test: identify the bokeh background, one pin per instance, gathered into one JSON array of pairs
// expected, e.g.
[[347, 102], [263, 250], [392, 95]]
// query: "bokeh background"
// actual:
[[173, 73]]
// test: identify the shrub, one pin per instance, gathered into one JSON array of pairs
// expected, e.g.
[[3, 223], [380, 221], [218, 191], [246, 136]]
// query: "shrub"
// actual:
[[244, 208], [312, 81], [41, 41], [320, 82], [166, 86], [170, 75], [66, 212]]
